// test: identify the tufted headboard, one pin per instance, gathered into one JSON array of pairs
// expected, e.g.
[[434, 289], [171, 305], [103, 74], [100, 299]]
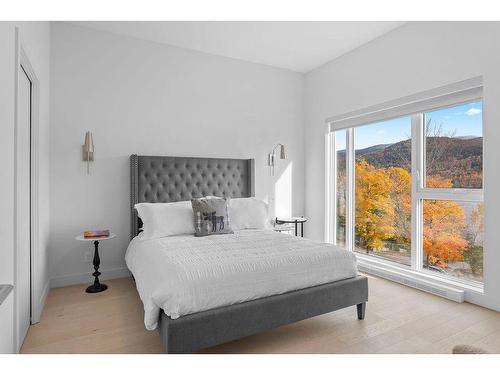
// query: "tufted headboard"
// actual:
[[162, 179]]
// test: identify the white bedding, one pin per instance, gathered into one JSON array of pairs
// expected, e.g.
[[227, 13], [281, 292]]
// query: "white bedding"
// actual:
[[186, 274]]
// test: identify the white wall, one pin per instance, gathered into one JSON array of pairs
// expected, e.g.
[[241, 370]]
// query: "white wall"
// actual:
[[7, 46], [35, 38], [147, 98], [413, 58]]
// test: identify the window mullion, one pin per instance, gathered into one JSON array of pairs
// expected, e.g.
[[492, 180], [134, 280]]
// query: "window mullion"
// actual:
[[327, 185], [350, 190], [333, 190], [418, 174], [329, 176], [452, 194]]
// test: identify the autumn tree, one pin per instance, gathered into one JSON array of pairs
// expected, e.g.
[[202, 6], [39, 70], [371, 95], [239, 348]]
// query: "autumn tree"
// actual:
[[474, 254], [444, 226], [449, 156], [374, 210], [476, 228], [383, 213], [437, 146], [400, 195]]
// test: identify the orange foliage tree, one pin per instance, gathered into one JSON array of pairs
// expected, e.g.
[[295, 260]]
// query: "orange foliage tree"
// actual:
[[374, 210], [383, 212], [400, 194], [444, 228]]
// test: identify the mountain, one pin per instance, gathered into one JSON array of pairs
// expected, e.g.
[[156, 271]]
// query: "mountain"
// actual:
[[458, 159], [366, 151], [373, 149]]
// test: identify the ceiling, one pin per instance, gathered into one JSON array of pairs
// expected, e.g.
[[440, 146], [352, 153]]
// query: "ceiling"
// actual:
[[298, 46]]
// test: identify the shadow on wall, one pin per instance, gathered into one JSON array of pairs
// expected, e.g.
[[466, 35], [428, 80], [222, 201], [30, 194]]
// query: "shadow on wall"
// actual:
[[283, 193]]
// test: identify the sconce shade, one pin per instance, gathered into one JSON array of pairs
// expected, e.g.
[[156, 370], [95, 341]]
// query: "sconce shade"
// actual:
[[271, 157], [283, 152], [88, 149], [89, 143]]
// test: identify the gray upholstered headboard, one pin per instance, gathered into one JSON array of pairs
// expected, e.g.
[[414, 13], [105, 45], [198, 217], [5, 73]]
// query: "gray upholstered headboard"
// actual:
[[162, 179]]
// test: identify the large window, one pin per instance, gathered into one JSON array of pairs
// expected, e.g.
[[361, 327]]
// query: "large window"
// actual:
[[408, 190], [382, 216], [452, 211]]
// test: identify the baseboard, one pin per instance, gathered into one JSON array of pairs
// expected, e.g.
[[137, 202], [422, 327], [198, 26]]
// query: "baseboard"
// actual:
[[446, 291], [41, 303], [86, 278]]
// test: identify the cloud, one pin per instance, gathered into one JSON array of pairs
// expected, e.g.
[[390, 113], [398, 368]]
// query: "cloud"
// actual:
[[473, 112]]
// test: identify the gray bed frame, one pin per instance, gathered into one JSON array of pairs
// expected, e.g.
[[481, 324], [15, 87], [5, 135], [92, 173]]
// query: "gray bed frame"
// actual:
[[170, 179]]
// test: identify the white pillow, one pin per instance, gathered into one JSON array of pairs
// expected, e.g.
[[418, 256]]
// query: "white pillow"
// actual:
[[248, 213], [166, 219]]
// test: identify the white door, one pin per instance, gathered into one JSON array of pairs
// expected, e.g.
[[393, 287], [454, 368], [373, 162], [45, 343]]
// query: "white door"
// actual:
[[23, 288]]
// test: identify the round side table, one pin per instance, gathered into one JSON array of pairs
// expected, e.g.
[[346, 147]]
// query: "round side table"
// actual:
[[293, 220], [97, 286]]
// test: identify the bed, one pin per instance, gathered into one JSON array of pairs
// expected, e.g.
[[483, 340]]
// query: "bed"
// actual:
[[200, 292]]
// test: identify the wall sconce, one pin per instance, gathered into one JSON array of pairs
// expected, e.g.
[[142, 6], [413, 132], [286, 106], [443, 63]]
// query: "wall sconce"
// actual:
[[88, 149], [272, 156]]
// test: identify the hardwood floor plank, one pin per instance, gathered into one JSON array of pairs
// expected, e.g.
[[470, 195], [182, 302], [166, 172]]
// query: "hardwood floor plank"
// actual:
[[398, 320]]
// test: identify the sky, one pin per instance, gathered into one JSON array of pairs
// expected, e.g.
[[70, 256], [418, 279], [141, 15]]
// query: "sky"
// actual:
[[463, 120]]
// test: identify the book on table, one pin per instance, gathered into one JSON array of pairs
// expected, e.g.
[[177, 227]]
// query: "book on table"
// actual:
[[96, 233]]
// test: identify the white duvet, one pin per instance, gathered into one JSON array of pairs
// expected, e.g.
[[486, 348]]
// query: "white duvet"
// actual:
[[186, 274]]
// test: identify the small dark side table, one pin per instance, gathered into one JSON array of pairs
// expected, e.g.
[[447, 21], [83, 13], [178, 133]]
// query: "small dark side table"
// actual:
[[97, 286], [293, 220]]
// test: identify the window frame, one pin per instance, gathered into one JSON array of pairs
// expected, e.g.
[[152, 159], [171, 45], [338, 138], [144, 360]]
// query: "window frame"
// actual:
[[415, 106]]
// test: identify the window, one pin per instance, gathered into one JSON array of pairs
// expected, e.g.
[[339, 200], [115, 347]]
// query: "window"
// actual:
[[454, 147], [452, 211], [383, 190], [452, 238], [408, 188]]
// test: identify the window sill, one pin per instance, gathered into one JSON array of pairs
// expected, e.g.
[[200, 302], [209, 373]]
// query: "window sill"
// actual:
[[414, 279]]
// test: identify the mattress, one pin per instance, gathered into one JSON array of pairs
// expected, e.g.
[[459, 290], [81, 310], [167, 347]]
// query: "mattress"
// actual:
[[185, 274]]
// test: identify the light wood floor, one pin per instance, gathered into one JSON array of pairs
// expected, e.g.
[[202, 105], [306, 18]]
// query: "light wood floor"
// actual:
[[398, 320]]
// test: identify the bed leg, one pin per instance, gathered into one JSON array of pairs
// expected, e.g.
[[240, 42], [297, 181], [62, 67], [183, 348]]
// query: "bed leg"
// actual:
[[361, 310]]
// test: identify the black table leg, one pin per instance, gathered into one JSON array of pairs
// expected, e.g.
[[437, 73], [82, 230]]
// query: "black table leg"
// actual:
[[302, 229], [296, 229], [97, 287]]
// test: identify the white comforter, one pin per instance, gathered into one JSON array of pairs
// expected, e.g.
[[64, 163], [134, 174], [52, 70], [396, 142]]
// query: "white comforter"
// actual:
[[187, 274]]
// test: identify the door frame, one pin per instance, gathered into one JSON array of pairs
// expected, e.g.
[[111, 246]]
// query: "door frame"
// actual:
[[22, 62]]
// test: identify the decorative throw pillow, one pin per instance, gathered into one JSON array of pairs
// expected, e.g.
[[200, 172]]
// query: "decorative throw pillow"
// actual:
[[210, 216]]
